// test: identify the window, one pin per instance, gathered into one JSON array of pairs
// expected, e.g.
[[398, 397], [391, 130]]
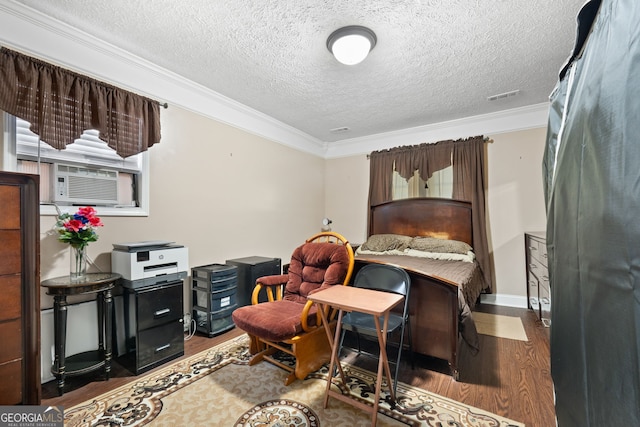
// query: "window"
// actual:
[[87, 172], [467, 158], [439, 185]]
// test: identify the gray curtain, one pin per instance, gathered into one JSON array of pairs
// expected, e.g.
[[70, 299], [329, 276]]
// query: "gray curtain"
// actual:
[[591, 176], [467, 157]]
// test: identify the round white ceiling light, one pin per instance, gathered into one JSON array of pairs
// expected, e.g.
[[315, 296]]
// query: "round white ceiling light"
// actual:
[[351, 45]]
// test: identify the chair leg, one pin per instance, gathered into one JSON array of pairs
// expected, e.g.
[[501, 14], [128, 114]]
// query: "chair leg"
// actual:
[[290, 378], [395, 376], [255, 345], [259, 357], [312, 351], [413, 365], [342, 334], [400, 348]]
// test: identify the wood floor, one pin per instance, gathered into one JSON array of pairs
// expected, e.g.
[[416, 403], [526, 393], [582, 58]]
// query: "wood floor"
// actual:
[[507, 377]]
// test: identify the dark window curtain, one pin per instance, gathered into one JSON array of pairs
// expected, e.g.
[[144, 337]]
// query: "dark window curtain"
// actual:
[[60, 105], [426, 158], [403, 162], [380, 177], [468, 184], [467, 157], [431, 158]]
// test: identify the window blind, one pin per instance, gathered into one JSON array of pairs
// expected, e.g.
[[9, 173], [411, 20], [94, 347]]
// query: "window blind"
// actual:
[[88, 150]]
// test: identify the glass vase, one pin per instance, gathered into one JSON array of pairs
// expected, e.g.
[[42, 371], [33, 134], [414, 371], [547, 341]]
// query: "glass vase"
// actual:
[[78, 267]]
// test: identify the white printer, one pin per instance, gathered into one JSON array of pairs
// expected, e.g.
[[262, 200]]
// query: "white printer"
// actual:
[[149, 263]]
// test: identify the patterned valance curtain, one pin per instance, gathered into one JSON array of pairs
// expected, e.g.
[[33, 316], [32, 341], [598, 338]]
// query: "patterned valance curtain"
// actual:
[[61, 104], [467, 156]]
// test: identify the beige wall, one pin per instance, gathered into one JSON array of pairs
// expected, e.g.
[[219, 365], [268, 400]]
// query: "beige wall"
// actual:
[[225, 193], [346, 195], [220, 191], [515, 203]]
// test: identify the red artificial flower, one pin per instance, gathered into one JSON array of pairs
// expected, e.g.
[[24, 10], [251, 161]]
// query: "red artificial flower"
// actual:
[[87, 212], [95, 221], [73, 225], [78, 229]]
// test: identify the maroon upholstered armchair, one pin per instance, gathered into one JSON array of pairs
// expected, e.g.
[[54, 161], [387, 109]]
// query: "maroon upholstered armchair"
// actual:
[[288, 321]]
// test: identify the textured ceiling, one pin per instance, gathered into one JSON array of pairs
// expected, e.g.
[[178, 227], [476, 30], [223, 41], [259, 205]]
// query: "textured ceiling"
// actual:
[[435, 60]]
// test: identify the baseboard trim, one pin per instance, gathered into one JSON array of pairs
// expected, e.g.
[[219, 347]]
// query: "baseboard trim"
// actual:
[[504, 300]]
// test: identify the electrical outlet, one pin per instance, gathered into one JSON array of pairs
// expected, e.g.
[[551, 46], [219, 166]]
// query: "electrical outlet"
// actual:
[[187, 322]]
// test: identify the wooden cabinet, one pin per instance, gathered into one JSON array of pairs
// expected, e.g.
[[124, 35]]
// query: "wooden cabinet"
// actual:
[[19, 289], [538, 291]]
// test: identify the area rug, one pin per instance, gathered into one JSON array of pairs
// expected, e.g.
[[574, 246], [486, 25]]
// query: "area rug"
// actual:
[[217, 388], [500, 326]]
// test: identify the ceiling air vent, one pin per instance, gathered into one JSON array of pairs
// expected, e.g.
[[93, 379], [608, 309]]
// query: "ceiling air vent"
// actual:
[[340, 130], [503, 95]]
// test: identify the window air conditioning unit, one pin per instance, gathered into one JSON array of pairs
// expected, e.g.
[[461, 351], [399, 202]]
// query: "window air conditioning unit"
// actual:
[[84, 185]]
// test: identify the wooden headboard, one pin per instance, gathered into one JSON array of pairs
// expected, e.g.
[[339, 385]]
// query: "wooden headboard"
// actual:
[[424, 216]]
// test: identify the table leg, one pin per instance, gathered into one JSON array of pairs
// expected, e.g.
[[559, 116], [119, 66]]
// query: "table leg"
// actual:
[[100, 306], [386, 358], [108, 313], [336, 345], [60, 339], [334, 341], [383, 365]]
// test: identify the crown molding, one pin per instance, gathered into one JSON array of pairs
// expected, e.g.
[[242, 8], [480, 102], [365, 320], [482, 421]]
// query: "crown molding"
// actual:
[[35, 34], [515, 119]]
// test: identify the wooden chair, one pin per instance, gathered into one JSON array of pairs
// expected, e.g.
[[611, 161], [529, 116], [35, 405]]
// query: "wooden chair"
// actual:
[[289, 322]]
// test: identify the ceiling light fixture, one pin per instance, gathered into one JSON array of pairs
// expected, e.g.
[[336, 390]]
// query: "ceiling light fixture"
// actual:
[[351, 45]]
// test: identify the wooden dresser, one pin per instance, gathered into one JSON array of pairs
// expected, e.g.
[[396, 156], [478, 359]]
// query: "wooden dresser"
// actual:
[[19, 289], [538, 291]]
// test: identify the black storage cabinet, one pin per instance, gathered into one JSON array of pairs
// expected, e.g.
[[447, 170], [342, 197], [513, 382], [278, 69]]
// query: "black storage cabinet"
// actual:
[[214, 297], [250, 269], [154, 326]]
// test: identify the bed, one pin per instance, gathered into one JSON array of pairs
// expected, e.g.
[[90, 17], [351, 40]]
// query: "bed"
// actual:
[[443, 291]]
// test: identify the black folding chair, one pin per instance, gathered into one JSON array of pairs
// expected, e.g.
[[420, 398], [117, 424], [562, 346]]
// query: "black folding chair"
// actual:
[[385, 278]]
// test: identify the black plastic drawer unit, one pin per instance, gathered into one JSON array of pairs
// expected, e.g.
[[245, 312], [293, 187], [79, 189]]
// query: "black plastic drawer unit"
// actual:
[[214, 293]]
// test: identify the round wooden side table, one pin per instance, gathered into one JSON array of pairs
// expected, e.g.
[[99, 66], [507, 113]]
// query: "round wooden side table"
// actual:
[[81, 363]]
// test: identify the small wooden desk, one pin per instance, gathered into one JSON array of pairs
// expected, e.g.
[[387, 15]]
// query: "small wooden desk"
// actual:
[[60, 288], [376, 303]]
